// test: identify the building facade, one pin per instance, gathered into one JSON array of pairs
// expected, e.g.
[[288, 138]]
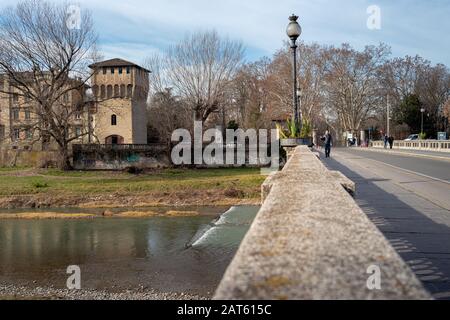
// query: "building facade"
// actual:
[[120, 90], [115, 114], [20, 119]]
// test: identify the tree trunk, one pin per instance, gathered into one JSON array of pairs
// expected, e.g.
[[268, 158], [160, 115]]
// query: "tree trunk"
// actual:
[[64, 161]]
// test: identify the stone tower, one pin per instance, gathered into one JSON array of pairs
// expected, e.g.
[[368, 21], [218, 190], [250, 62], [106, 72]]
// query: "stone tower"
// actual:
[[121, 89]]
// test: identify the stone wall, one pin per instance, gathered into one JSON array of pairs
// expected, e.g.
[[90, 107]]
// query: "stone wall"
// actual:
[[310, 240], [25, 158], [119, 157]]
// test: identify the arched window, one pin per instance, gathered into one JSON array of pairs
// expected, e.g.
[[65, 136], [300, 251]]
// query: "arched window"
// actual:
[[109, 92], [116, 91], [122, 91], [102, 92], [95, 90], [114, 120], [129, 91]]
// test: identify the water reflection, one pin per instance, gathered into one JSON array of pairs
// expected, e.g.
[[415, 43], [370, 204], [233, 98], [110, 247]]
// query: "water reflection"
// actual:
[[119, 253]]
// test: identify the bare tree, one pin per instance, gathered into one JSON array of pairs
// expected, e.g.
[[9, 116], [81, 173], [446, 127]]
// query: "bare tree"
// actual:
[[44, 53], [353, 91], [200, 69], [249, 96], [167, 113]]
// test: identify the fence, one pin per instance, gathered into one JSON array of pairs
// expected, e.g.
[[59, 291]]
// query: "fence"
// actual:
[[427, 145]]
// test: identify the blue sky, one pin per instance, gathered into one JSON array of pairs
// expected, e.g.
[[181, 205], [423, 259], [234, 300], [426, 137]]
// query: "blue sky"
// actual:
[[133, 29]]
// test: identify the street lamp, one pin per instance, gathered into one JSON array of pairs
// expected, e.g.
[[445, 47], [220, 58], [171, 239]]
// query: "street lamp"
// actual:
[[422, 110], [294, 31], [299, 99]]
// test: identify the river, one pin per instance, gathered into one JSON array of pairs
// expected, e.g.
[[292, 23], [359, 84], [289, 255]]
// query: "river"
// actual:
[[168, 254]]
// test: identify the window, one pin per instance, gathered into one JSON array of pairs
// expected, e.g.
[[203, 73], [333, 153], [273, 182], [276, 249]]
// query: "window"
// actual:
[[120, 70], [112, 70], [128, 70], [95, 90], [109, 92], [66, 98], [104, 70], [29, 133], [27, 114], [15, 97], [129, 90], [78, 131], [16, 134], [114, 120], [102, 92], [15, 114], [78, 116]]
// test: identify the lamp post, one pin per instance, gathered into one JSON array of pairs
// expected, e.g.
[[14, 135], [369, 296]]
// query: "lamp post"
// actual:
[[299, 99], [294, 31], [422, 110]]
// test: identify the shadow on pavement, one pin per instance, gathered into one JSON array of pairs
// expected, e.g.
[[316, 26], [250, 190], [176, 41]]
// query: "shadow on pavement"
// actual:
[[422, 243]]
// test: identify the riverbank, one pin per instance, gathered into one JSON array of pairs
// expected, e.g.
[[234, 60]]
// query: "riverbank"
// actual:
[[11, 292], [95, 213], [45, 188]]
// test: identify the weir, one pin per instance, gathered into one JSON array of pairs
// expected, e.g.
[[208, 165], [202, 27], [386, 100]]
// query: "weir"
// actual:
[[310, 240]]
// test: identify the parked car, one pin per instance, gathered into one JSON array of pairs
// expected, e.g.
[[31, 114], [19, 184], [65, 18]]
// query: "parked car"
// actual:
[[412, 137]]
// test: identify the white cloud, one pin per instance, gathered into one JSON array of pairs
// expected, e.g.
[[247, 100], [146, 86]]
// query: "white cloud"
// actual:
[[409, 26]]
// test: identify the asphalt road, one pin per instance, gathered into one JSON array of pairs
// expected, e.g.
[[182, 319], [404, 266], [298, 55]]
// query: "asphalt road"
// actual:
[[408, 199], [439, 169]]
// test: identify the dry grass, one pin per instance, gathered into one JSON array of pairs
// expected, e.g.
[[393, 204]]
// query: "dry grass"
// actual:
[[45, 215], [136, 214], [174, 213]]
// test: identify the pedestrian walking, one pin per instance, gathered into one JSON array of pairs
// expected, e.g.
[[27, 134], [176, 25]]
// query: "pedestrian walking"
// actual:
[[328, 143], [386, 138], [391, 142]]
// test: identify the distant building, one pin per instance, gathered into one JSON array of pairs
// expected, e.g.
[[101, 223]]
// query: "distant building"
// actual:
[[120, 89], [117, 111], [19, 119]]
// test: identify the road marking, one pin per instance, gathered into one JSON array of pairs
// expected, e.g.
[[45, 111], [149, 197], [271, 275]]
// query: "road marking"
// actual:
[[436, 202], [417, 155], [409, 171]]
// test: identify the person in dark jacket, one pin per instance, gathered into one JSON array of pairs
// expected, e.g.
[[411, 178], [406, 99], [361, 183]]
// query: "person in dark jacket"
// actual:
[[391, 142], [328, 143]]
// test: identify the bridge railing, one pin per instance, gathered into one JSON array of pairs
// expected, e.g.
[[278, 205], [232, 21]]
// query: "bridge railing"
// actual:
[[430, 145], [310, 240]]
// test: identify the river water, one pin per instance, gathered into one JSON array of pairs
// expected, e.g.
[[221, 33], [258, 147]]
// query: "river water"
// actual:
[[169, 254]]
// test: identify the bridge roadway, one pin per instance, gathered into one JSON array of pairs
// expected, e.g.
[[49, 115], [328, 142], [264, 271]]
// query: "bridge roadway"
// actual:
[[408, 199]]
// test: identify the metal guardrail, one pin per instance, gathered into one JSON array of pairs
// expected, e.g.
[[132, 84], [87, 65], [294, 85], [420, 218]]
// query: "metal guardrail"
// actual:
[[427, 145]]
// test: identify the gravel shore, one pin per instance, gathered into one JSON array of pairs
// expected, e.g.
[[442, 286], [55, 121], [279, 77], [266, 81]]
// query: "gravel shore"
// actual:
[[11, 292]]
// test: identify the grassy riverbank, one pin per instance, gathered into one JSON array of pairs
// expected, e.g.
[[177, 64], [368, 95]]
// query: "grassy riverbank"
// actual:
[[40, 188]]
